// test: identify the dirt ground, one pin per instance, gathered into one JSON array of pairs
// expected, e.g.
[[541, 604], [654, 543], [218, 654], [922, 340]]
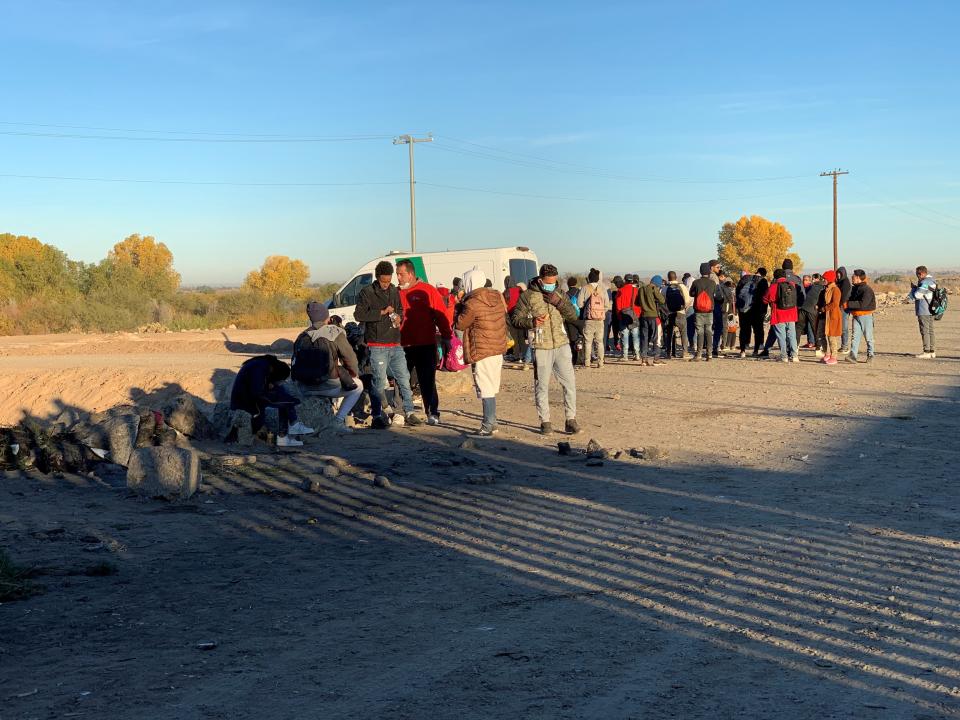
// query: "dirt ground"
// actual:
[[793, 550]]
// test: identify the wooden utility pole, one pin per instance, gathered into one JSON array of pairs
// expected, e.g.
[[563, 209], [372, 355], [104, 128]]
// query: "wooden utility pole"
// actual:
[[411, 141], [834, 173]]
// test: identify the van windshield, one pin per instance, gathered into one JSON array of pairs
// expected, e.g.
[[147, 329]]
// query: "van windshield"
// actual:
[[348, 296], [521, 270]]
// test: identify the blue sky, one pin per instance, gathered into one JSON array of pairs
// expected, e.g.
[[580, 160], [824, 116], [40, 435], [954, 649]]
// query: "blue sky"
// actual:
[[641, 126]]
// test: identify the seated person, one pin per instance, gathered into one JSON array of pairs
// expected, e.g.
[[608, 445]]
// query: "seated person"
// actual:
[[325, 364], [259, 385]]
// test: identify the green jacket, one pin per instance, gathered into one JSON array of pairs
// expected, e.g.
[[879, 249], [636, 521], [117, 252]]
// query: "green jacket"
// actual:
[[532, 305], [649, 298]]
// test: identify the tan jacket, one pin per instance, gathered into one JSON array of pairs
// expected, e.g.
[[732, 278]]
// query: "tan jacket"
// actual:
[[531, 305], [483, 321]]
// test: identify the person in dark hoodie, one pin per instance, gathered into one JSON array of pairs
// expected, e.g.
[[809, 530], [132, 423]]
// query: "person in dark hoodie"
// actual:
[[380, 309], [650, 299], [324, 363], [790, 276], [846, 287], [809, 314], [862, 304], [703, 291], [258, 386]]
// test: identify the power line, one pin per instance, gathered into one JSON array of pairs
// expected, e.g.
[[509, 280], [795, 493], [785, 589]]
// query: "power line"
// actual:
[[598, 200], [200, 182], [290, 139], [169, 132], [597, 171], [898, 208]]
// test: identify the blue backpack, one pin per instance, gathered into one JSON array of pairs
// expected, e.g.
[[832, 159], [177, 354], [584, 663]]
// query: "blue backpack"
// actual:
[[745, 296]]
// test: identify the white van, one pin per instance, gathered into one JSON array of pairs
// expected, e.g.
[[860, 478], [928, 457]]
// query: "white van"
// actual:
[[440, 268]]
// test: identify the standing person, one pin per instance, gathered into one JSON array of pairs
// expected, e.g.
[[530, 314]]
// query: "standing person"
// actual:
[[650, 300], [596, 304], [862, 304], [258, 386], [744, 293], [323, 361], [758, 312], [808, 315], [615, 328], [573, 293], [424, 317], [628, 312], [782, 299], [380, 309], [511, 294], [731, 321], [845, 286], [703, 291], [691, 315], [833, 317], [922, 293], [482, 321], [719, 324], [544, 310], [677, 299]]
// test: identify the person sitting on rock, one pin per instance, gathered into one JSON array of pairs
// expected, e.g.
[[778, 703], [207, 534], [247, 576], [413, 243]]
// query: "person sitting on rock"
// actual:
[[324, 363], [259, 385]]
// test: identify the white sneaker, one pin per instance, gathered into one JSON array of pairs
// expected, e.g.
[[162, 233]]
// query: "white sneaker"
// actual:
[[298, 428], [433, 420], [340, 426], [397, 420], [926, 356], [795, 358], [287, 441]]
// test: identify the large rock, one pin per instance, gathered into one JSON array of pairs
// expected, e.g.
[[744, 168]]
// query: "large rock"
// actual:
[[182, 414], [114, 430], [168, 472]]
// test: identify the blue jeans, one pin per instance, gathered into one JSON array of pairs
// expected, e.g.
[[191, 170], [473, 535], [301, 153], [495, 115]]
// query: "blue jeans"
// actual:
[[786, 338], [648, 336], [630, 332], [845, 337], [391, 360], [862, 328]]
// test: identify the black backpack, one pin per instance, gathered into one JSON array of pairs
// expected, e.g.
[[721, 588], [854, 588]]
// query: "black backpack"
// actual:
[[938, 303], [312, 362], [786, 295], [674, 299]]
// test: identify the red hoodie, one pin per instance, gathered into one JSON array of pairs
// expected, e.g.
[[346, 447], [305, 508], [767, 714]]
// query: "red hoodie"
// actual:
[[424, 313], [627, 297], [776, 314]]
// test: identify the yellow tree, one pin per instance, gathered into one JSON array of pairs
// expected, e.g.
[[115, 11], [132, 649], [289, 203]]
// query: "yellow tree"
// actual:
[[153, 262], [753, 242], [279, 275]]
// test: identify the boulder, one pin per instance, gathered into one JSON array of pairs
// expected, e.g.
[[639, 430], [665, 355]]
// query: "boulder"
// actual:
[[168, 472], [183, 415], [238, 428], [114, 430]]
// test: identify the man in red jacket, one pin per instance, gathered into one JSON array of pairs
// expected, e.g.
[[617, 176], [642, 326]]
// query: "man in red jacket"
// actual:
[[782, 299], [424, 315]]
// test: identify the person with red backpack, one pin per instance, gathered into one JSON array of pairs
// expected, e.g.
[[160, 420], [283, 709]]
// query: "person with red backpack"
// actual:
[[594, 304], [703, 291], [782, 297]]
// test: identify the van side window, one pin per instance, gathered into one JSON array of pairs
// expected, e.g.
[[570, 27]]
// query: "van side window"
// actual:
[[521, 270], [348, 296]]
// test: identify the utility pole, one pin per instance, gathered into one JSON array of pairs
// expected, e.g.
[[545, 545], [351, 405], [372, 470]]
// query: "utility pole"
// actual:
[[834, 173], [411, 141]]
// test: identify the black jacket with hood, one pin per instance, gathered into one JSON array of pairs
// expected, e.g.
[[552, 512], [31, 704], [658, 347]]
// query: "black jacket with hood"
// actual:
[[377, 328], [843, 282]]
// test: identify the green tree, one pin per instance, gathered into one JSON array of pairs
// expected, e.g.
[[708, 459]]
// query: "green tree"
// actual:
[[753, 242], [152, 261], [279, 275]]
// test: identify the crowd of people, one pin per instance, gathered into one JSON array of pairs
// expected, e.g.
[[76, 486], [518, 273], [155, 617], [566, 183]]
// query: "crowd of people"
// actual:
[[404, 330]]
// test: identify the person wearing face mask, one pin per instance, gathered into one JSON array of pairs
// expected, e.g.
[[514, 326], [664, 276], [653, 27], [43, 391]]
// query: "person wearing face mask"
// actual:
[[544, 310], [424, 317]]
